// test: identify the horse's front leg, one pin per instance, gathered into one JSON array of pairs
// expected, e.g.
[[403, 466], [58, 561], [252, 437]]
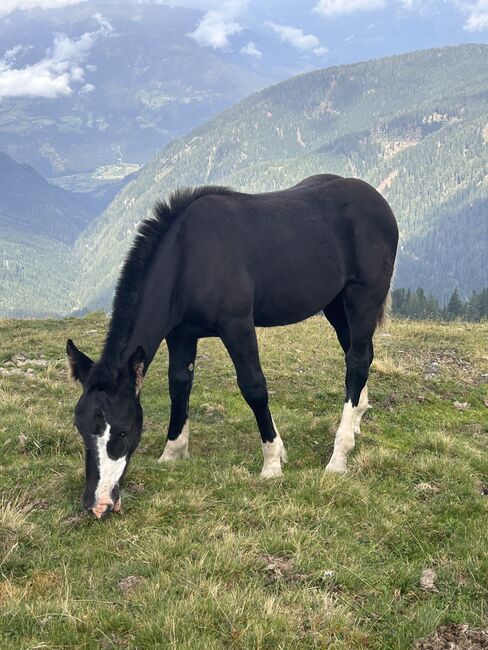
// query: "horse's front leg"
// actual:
[[239, 337], [182, 353]]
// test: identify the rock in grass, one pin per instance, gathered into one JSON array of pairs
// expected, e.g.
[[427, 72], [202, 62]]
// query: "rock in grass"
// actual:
[[454, 637], [427, 580]]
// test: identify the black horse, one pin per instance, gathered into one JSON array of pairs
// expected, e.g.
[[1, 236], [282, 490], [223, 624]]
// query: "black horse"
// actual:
[[214, 262]]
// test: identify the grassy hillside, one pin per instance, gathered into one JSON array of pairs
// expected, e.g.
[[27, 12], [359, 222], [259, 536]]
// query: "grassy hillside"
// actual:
[[414, 125], [207, 555]]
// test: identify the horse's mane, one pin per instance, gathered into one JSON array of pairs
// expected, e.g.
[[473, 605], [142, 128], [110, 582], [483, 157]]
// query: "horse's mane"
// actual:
[[150, 234]]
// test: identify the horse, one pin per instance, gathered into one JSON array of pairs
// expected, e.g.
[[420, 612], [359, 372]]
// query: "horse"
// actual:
[[213, 262]]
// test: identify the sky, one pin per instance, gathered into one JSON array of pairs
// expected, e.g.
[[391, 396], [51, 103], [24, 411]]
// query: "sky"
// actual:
[[303, 34]]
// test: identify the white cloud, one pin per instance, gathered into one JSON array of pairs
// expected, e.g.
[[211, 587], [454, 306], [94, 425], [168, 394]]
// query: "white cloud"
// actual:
[[55, 74], [8, 6], [251, 50], [218, 24], [296, 37], [477, 16], [337, 7], [203, 5]]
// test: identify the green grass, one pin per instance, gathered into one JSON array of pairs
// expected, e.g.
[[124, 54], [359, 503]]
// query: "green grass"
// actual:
[[224, 559]]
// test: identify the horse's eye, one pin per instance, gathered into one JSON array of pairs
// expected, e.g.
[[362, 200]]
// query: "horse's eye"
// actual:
[[123, 434]]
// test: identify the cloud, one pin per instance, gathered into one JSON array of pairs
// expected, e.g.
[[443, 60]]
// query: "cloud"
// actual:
[[477, 16], [251, 50], [8, 6], [54, 75], [337, 7], [296, 37], [218, 24]]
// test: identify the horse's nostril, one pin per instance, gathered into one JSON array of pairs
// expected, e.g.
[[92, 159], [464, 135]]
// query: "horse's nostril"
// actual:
[[102, 510]]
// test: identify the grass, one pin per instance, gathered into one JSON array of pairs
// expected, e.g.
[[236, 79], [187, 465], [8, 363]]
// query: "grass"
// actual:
[[220, 558]]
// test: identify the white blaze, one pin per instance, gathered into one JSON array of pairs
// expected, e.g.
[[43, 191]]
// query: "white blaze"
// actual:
[[109, 470]]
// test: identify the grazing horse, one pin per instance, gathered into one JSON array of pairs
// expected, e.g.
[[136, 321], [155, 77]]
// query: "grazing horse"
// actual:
[[215, 262]]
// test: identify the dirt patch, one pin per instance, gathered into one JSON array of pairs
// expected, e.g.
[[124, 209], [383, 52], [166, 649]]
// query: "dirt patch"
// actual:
[[425, 490], [281, 568], [454, 637], [213, 412], [136, 487], [74, 520], [129, 584], [482, 488], [41, 504]]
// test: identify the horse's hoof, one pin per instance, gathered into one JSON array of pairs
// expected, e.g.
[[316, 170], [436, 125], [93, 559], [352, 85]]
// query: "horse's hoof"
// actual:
[[271, 473], [336, 468], [170, 456]]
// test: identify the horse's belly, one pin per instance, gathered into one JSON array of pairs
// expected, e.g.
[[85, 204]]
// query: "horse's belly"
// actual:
[[291, 304]]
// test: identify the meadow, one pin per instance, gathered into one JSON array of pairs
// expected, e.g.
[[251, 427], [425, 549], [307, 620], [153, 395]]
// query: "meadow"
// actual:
[[205, 553]]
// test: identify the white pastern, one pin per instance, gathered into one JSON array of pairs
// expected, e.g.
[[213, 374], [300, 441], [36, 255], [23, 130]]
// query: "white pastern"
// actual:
[[110, 472], [344, 440], [178, 448], [362, 407], [274, 454]]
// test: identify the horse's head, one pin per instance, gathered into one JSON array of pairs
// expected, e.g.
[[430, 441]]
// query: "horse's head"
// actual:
[[109, 418]]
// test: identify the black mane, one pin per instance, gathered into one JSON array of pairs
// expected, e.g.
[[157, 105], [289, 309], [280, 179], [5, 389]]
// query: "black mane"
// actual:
[[150, 234]]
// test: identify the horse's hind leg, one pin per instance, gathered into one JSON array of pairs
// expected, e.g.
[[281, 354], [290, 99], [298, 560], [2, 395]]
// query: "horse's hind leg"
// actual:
[[239, 337], [335, 312], [182, 353], [362, 307]]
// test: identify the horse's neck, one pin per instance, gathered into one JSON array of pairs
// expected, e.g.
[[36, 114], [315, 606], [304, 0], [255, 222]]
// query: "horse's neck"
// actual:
[[156, 315]]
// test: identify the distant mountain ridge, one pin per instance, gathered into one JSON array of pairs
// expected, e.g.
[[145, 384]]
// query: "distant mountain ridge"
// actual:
[[415, 126], [29, 204]]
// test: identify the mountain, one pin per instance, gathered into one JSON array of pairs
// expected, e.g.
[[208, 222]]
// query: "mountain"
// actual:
[[38, 226], [29, 204], [145, 83], [415, 126]]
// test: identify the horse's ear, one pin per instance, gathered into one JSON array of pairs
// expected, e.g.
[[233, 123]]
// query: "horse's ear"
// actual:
[[78, 363], [136, 362]]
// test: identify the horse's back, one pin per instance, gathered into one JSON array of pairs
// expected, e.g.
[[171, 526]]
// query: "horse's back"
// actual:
[[289, 252]]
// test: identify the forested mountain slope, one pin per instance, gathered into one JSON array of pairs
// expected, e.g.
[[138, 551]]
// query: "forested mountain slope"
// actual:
[[28, 203], [38, 226], [415, 126]]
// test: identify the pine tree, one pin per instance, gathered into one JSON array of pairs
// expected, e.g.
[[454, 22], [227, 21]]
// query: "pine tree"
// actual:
[[455, 307]]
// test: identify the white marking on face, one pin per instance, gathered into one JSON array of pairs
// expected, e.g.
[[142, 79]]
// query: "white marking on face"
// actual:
[[344, 440], [177, 448], [109, 471]]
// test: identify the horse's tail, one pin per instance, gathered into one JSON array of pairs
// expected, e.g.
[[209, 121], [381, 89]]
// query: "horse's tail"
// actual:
[[384, 313]]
